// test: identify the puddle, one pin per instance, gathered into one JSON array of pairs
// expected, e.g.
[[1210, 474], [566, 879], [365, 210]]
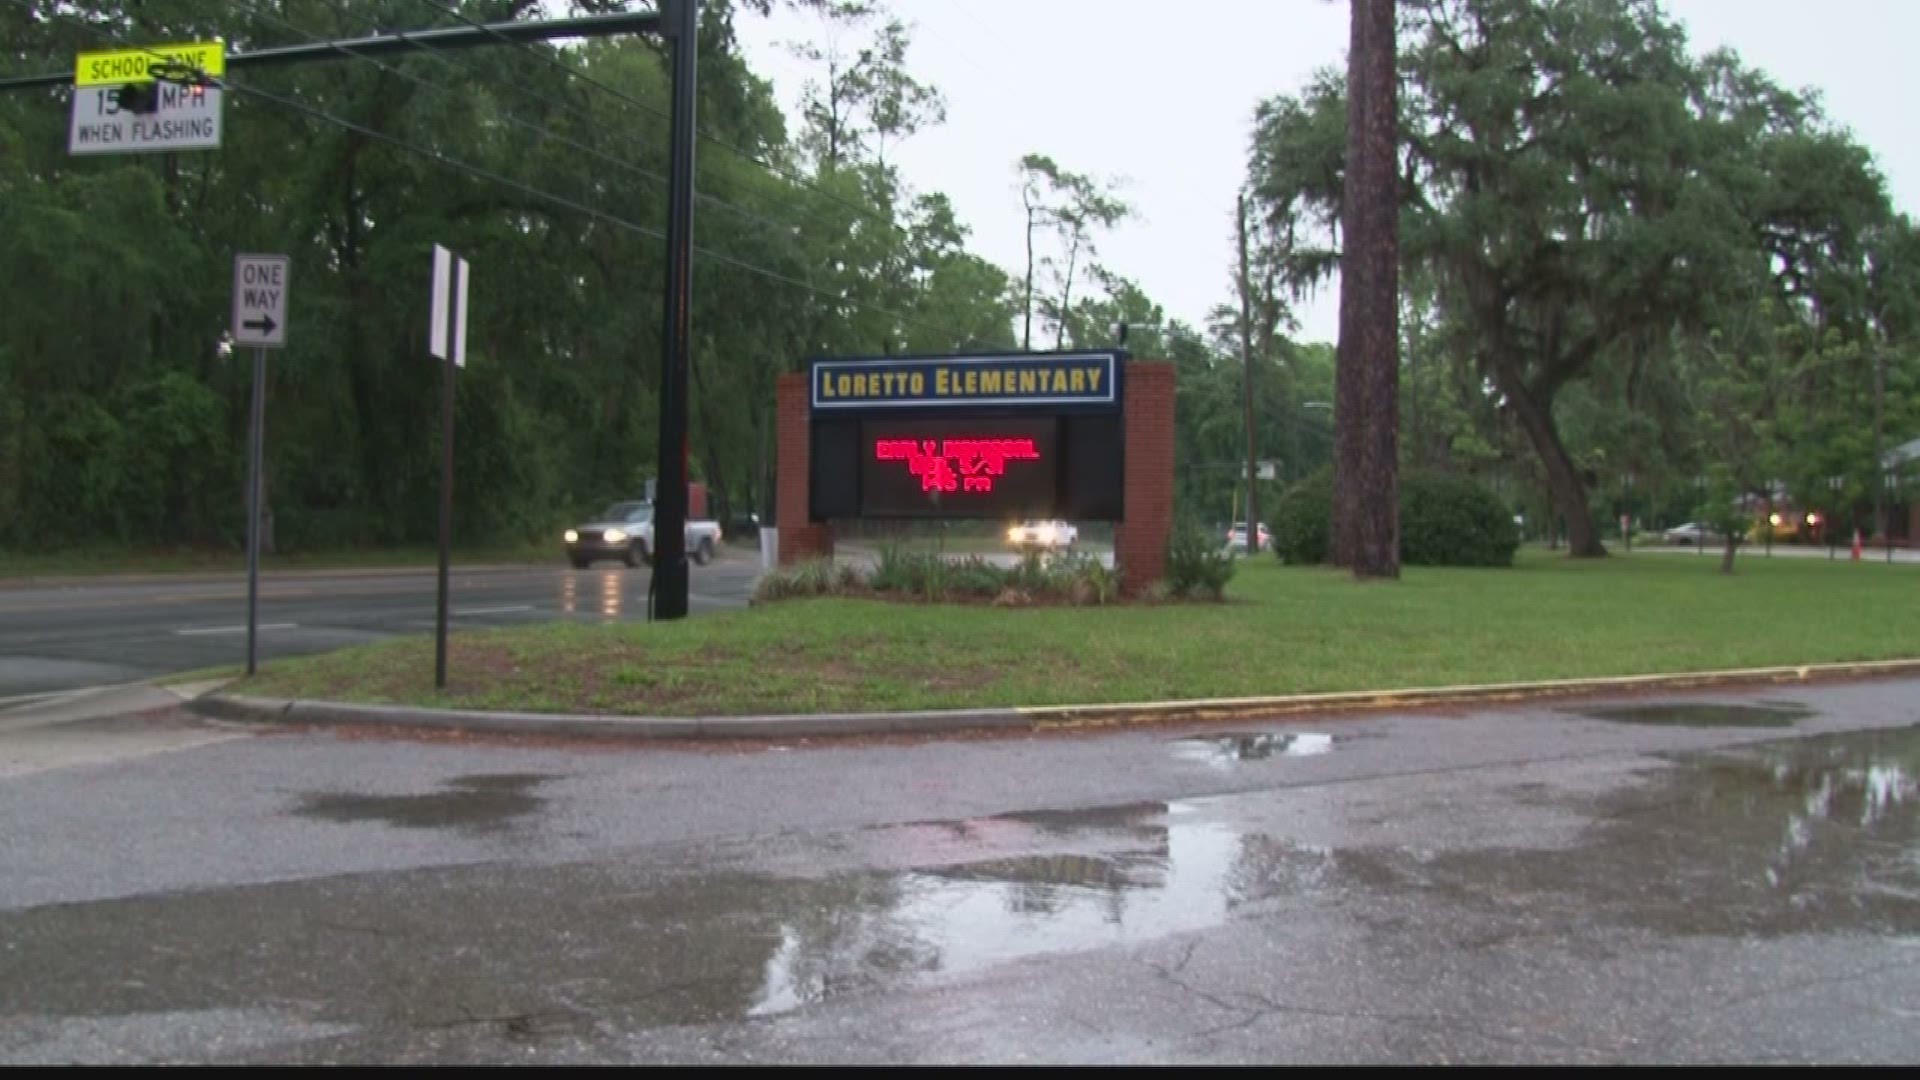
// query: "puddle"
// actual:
[[1807, 835], [1136, 873], [1766, 714], [480, 803], [1815, 835], [1232, 747]]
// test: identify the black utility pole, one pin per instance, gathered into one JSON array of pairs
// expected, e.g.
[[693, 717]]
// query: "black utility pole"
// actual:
[[679, 24]]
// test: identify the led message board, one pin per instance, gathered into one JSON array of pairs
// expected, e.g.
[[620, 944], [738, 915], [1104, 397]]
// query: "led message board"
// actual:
[[1029, 435]]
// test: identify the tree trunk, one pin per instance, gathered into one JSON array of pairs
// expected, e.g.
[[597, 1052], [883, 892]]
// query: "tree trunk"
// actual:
[[1367, 396], [1026, 330], [1880, 512], [1726, 560], [1244, 281], [1066, 296], [1564, 486]]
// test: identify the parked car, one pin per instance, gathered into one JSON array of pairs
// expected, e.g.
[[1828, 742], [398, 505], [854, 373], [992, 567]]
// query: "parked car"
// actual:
[[624, 531], [1047, 535], [1693, 532], [1237, 537]]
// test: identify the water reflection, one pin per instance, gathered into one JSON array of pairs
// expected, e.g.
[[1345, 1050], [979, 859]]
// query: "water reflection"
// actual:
[[1805, 835], [1130, 873], [1812, 834], [1229, 748], [610, 602]]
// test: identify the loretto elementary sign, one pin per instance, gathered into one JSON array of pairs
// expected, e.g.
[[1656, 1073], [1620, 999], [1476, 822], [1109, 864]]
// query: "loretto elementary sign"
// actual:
[[984, 437], [1077, 379]]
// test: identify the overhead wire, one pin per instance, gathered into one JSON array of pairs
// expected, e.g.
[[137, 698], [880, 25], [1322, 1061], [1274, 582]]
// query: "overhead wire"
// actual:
[[621, 95], [490, 78], [538, 129], [442, 158]]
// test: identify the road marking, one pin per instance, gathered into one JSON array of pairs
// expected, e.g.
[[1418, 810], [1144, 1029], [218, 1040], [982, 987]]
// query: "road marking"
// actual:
[[191, 631], [492, 610]]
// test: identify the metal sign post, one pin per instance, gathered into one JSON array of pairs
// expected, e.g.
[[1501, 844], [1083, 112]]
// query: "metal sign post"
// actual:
[[259, 320], [256, 448], [447, 340]]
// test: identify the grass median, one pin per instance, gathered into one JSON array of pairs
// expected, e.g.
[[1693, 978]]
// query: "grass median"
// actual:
[[1284, 630]]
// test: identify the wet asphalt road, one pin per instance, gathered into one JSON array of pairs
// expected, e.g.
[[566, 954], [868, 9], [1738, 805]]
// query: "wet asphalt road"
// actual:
[[1713, 877], [64, 636]]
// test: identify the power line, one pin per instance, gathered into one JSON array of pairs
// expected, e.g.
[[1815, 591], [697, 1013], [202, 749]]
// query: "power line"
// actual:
[[490, 78], [539, 129], [629, 99], [559, 200]]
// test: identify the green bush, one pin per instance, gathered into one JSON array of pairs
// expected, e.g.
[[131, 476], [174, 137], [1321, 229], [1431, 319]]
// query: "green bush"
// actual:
[[1445, 520], [1302, 521], [1197, 568], [1084, 579], [818, 577], [1071, 578], [1453, 521]]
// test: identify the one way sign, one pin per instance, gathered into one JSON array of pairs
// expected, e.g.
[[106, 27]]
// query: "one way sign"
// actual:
[[260, 300]]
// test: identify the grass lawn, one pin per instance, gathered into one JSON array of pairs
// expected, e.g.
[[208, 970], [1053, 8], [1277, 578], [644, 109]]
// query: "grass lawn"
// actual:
[[1284, 630], [88, 561]]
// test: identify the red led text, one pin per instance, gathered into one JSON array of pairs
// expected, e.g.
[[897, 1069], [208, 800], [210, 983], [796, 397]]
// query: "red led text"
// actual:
[[956, 464]]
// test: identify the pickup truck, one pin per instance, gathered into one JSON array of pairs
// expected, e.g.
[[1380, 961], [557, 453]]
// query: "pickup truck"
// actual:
[[625, 532]]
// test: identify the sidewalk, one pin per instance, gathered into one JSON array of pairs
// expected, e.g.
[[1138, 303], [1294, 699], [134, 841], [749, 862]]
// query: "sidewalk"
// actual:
[[1780, 551]]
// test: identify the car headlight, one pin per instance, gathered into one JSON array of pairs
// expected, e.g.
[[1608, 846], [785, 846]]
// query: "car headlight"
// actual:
[[571, 536], [615, 536], [1014, 533]]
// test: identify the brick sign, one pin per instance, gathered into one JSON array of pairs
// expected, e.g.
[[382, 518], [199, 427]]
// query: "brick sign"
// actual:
[[1036, 435]]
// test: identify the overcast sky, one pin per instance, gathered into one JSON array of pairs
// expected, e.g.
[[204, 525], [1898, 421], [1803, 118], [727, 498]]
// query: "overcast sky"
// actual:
[[1158, 94]]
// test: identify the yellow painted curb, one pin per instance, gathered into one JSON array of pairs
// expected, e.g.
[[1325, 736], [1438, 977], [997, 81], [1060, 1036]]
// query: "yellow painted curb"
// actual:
[[1249, 708]]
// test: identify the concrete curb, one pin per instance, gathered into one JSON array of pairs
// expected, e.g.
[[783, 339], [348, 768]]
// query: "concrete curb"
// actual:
[[341, 714], [1057, 717]]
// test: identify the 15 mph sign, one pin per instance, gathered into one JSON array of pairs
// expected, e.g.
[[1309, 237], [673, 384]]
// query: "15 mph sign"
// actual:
[[179, 116], [260, 300]]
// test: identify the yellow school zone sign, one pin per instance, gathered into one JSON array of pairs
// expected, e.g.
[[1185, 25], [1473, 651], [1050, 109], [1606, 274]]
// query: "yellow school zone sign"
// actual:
[[118, 67]]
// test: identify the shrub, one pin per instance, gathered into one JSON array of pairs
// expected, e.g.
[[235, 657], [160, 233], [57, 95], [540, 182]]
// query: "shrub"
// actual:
[[1445, 520], [1196, 567], [1453, 521], [1155, 592], [819, 577], [1086, 579], [897, 570], [974, 576], [1302, 521]]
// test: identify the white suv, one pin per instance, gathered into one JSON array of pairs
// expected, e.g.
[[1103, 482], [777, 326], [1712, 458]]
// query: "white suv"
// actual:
[[1237, 537]]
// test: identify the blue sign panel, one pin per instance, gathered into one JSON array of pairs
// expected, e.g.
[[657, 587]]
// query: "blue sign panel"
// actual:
[[1049, 381]]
